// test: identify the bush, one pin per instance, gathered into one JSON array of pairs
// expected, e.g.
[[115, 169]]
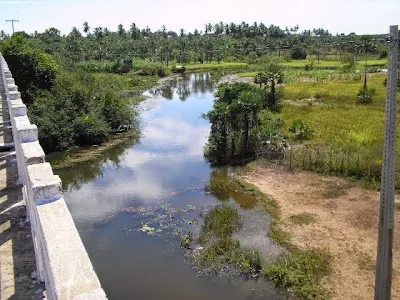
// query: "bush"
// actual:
[[95, 66], [150, 68], [310, 66], [373, 70], [78, 111], [383, 54], [301, 273], [301, 130], [349, 62], [365, 95], [298, 53], [33, 70], [122, 66]]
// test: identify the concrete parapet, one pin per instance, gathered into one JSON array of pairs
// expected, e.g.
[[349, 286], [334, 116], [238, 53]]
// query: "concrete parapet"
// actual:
[[26, 133], [33, 153], [18, 109], [67, 261], [61, 259]]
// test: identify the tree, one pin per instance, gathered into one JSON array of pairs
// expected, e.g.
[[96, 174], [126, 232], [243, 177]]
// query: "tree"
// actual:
[[86, 28], [274, 76], [366, 45], [99, 32], [261, 78], [3, 35], [121, 30], [134, 31], [298, 52], [32, 69]]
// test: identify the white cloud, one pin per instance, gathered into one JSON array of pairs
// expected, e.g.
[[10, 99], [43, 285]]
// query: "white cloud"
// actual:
[[176, 141]]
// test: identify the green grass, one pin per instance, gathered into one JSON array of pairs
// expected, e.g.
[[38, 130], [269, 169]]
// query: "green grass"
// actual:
[[323, 64], [333, 64], [302, 219], [372, 63], [220, 249], [337, 92], [340, 124], [128, 84], [220, 222], [248, 74], [215, 66], [301, 273]]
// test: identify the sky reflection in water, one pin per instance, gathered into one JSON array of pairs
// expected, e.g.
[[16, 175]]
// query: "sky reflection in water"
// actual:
[[167, 160]]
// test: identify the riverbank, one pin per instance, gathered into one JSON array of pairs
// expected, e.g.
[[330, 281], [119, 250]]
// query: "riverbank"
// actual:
[[69, 159], [333, 215]]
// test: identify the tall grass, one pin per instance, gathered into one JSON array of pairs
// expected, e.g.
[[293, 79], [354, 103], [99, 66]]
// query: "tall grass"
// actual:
[[341, 125], [335, 91], [333, 64], [95, 66]]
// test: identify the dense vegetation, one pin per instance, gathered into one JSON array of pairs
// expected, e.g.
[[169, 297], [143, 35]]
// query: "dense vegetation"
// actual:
[[242, 121], [250, 43], [42, 61], [71, 107]]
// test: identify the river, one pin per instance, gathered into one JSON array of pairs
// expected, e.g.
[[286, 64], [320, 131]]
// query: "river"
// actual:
[[159, 182]]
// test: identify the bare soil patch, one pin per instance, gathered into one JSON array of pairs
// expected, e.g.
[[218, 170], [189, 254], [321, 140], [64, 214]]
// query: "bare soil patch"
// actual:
[[345, 224]]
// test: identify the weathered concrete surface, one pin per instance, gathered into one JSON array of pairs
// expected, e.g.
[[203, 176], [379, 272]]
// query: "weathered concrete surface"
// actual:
[[61, 259], [17, 256]]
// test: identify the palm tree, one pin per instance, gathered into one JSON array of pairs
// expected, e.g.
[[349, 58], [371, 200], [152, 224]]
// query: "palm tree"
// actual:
[[98, 32], [86, 28], [121, 30], [366, 45], [261, 78]]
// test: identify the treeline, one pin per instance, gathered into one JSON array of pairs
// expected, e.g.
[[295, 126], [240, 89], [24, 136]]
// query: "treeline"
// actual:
[[216, 42], [70, 107]]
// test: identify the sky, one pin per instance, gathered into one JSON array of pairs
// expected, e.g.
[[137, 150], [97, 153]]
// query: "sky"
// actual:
[[338, 16]]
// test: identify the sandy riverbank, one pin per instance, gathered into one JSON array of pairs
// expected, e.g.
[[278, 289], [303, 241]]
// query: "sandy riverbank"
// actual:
[[345, 224]]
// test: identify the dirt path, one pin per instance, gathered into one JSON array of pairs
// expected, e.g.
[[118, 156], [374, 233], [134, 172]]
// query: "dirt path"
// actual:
[[345, 224]]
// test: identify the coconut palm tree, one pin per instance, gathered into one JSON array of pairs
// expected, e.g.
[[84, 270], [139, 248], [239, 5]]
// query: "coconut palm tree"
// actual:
[[86, 28], [366, 45]]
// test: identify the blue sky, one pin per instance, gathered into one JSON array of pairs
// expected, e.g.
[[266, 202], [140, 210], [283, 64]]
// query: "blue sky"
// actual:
[[360, 16]]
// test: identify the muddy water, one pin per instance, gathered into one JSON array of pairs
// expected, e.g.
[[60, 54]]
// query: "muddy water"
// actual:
[[129, 203]]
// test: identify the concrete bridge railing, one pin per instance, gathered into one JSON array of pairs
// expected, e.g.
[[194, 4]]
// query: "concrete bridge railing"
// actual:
[[61, 259]]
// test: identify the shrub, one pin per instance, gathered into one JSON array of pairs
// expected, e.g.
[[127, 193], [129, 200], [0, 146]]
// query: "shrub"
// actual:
[[301, 273], [33, 70], [309, 66], [151, 68], [301, 130], [95, 66], [383, 54], [365, 95], [122, 66], [298, 53], [373, 70], [78, 111], [349, 62]]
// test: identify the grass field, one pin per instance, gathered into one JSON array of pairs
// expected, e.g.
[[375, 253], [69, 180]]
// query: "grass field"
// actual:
[[340, 124], [215, 66], [337, 92], [333, 64]]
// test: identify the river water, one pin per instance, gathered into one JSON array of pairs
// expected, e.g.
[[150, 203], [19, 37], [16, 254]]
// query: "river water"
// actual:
[[157, 181]]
